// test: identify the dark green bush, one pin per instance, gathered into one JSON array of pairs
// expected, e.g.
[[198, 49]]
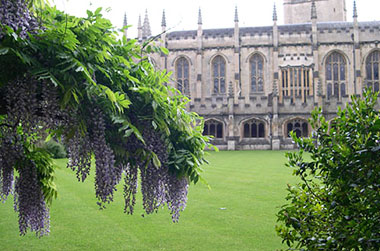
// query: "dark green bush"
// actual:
[[336, 206], [56, 149]]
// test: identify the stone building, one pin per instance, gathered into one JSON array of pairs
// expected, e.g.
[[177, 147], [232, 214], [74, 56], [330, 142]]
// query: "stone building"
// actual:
[[253, 85]]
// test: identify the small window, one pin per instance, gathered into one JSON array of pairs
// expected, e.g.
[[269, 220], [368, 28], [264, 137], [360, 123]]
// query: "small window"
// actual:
[[299, 126], [213, 128], [254, 129]]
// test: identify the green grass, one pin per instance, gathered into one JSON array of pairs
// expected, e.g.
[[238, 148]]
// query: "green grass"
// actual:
[[250, 185]]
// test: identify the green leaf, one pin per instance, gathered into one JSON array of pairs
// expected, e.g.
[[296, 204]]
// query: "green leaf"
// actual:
[[125, 103], [137, 134], [376, 126], [111, 95], [164, 50], [4, 51], [128, 133], [98, 10], [156, 161], [49, 137], [75, 96]]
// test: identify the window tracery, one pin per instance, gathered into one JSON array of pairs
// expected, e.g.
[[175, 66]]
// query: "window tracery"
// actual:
[[219, 75], [336, 76], [372, 71], [182, 70], [254, 129], [213, 128], [299, 126], [257, 73]]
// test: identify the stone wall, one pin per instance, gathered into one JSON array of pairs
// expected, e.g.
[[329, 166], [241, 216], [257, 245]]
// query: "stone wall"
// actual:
[[298, 45]]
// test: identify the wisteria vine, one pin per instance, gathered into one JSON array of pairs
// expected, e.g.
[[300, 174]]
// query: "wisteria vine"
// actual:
[[73, 81]]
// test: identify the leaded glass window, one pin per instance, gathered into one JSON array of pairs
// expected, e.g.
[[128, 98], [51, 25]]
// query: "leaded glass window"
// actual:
[[336, 75], [213, 128], [254, 129], [299, 126], [182, 69], [372, 71], [219, 74], [257, 68]]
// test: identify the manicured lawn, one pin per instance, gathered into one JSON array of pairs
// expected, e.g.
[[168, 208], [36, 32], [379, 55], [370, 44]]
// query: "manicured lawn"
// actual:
[[238, 213]]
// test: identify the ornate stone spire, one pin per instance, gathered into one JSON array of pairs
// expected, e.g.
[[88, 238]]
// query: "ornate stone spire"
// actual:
[[146, 32], [274, 12], [139, 23], [313, 10], [163, 22], [125, 24], [125, 19], [355, 10], [236, 15], [139, 29], [199, 16]]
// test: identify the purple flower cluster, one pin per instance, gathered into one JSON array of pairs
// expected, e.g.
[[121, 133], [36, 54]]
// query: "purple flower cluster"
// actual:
[[107, 175], [16, 15], [130, 188], [79, 154], [25, 107], [8, 157], [22, 105], [29, 201], [52, 115], [159, 187], [177, 195]]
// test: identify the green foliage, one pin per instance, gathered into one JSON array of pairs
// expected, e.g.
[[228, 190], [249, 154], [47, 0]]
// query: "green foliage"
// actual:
[[336, 206], [56, 149], [45, 170]]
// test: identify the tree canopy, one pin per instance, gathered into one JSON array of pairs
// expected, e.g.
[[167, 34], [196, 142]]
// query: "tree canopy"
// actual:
[[336, 204], [72, 79]]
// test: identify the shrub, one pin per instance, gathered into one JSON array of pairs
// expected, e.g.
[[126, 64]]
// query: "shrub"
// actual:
[[336, 206], [56, 149]]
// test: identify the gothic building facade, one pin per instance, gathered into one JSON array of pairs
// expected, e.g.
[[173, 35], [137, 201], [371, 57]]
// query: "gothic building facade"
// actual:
[[253, 85]]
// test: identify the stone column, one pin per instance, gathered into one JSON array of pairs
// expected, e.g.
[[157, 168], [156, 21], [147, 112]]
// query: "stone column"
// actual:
[[273, 116]]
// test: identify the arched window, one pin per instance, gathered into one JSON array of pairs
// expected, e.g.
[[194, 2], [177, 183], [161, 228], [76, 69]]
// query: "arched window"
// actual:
[[257, 68], [182, 70], [336, 75], [254, 129], [372, 71], [219, 74], [299, 126], [213, 128]]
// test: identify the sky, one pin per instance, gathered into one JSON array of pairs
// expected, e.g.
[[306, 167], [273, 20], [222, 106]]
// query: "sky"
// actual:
[[183, 15]]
